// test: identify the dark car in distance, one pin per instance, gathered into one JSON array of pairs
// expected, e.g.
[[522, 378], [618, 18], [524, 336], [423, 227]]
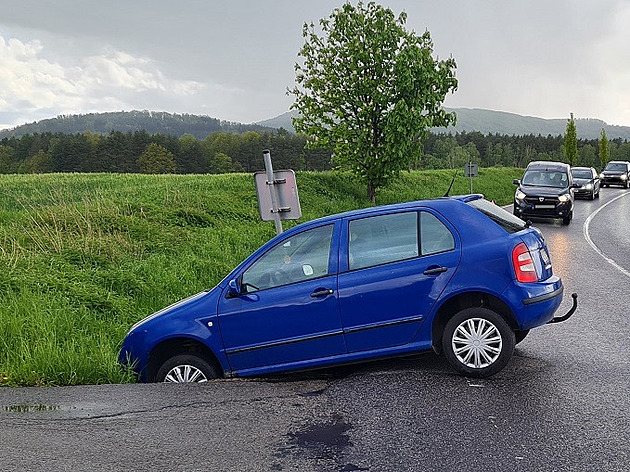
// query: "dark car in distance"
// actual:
[[545, 191], [616, 173], [459, 275], [588, 181]]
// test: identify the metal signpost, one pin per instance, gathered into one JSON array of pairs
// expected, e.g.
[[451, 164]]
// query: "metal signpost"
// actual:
[[277, 194], [471, 170]]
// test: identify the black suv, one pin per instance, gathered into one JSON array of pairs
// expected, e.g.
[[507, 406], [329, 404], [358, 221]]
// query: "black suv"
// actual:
[[616, 173], [545, 191]]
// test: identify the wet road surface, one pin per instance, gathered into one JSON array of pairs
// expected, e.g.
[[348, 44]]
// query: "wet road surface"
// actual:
[[562, 404]]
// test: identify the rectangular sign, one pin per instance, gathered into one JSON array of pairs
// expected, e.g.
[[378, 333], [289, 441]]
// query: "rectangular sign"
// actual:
[[288, 199]]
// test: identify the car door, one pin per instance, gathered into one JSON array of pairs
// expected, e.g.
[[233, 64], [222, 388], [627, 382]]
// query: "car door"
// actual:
[[393, 267], [288, 311]]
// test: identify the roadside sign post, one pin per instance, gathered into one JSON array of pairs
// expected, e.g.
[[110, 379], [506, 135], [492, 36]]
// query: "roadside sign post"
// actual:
[[471, 170], [277, 194]]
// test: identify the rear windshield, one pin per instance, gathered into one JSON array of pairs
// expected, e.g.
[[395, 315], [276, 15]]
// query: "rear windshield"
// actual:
[[504, 219]]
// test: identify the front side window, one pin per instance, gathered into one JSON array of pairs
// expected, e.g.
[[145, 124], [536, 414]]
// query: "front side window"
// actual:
[[381, 239], [303, 256]]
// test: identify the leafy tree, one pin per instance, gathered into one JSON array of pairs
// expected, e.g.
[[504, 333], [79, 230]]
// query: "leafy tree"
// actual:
[[38, 163], [156, 159], [604, 150], [6, 159], [221, 164], [570, 142], [368, 89]]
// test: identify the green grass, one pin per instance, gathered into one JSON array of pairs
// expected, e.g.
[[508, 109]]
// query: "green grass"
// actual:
[[84, 256]]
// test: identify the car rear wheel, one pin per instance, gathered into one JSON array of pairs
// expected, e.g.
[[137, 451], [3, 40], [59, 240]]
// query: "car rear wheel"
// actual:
[[478, 342], [185, 368]]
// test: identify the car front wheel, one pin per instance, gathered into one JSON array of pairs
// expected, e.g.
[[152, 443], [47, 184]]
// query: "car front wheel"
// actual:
[[478, 342], [185, 368]]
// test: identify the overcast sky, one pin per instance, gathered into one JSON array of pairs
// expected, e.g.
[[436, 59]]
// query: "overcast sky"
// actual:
[[234, 60]]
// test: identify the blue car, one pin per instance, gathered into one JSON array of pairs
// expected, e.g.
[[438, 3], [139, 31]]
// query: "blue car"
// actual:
[[458, 275]]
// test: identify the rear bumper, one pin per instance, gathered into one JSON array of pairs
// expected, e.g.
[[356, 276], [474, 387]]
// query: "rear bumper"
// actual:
[[535, 304]]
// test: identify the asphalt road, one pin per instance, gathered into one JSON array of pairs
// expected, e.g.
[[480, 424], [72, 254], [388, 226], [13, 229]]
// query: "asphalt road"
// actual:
[[562, 404]]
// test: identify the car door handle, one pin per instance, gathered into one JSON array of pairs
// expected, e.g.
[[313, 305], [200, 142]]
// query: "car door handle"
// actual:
[[322, 292], [435, 270]]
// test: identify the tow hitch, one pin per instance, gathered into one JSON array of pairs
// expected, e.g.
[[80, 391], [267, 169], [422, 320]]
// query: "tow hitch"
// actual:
[[560, 319]]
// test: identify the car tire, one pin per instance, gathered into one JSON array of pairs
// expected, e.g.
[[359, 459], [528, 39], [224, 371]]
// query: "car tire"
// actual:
[[520, 335], [567, 219], [597, 194], [592, 195], [185, 368], [478, 342]]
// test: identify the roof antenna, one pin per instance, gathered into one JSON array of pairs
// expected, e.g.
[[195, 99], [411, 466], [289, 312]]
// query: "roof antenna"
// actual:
[[450, 186]]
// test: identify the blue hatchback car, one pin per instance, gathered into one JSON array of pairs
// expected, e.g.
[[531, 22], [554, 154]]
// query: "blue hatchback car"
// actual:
[[458, 275]]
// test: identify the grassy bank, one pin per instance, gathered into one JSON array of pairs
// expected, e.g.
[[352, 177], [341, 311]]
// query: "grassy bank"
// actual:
[[84, 256]]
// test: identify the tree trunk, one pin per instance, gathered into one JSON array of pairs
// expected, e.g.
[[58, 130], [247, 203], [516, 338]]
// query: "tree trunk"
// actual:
[[371, 191]]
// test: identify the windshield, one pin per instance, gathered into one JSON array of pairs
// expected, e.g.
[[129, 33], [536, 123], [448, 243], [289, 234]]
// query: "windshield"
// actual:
[[546, 178], [504, 219], [581, 174], [616, 166]]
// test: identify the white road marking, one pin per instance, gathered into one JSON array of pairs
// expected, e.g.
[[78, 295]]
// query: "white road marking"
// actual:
[[587, 236]]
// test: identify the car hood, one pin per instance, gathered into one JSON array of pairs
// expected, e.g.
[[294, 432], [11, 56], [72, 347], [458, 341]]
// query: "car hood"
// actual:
[[614, 172], [171, 308], [582, 181], [532, 190]]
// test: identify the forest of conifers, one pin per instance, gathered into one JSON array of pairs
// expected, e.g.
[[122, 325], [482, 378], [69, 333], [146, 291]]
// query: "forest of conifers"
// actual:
[[222, 152]]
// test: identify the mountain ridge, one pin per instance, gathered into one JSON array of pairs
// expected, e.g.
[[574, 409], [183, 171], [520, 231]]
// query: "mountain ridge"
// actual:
[[500, 122], [200, 126]]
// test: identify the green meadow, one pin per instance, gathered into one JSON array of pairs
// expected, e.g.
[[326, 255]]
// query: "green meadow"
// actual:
[[84, 256]]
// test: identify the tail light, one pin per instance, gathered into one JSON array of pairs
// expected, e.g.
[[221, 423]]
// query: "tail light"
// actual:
[[524, 264]]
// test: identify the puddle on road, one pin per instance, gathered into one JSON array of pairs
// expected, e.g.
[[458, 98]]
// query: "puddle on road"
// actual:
[[329, 438], [321, 441], [26, 408]]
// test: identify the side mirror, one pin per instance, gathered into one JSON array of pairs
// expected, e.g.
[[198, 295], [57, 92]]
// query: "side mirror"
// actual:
[[575, 186], [234, 288], [516, 182]]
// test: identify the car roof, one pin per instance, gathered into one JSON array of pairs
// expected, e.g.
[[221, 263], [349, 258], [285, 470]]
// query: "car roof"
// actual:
[[432, 203], [548, 165], [581, 168]]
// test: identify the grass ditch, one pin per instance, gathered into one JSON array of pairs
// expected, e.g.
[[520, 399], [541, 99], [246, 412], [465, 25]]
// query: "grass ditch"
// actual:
[[84, 256]]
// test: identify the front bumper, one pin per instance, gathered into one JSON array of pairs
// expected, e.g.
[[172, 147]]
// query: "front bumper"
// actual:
[[613, 180], [546, 209]]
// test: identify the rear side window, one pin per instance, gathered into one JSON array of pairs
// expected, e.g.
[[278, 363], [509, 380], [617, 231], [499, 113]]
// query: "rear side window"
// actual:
[[381, 239], [504, 219], [434, 236]]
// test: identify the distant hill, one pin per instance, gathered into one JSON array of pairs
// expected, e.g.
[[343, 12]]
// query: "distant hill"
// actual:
[[498, 122], [484, 121], [149, 121]]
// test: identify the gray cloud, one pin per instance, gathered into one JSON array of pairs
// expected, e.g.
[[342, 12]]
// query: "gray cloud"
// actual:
[[234, 60]]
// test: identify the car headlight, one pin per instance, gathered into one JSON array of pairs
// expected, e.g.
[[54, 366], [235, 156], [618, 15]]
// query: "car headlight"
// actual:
[[564, 198], [624, 177], [601, 176], [520, 195], [588, 186]]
